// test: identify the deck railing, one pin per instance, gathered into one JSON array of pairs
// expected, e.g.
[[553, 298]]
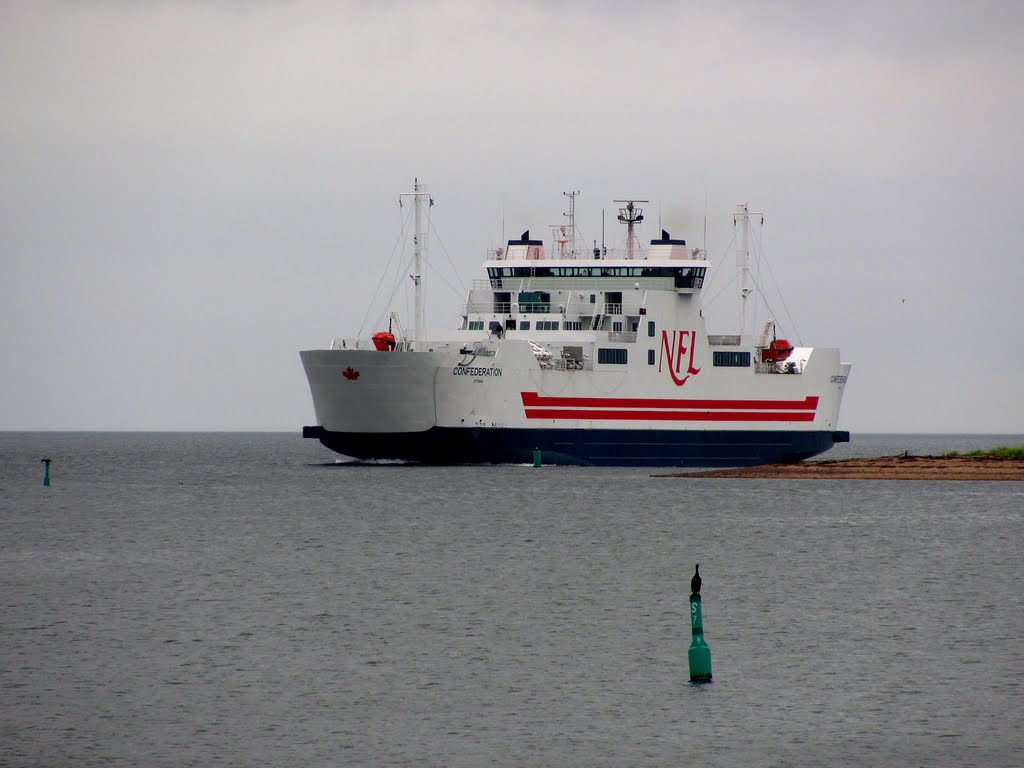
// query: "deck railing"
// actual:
[[571, 309], [366, 344]]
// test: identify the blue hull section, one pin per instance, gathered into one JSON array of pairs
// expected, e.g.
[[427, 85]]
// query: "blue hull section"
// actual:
[[588, 447]]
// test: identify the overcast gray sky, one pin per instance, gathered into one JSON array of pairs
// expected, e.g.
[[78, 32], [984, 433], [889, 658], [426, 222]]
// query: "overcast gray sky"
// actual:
[[191, 192]]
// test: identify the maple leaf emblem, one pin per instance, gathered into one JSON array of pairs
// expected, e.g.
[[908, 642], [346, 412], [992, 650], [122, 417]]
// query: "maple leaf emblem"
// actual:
[[350, 373]]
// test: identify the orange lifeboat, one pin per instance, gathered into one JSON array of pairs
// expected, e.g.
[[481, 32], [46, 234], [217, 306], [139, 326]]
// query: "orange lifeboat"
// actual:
[[384, 341], [777, 351]]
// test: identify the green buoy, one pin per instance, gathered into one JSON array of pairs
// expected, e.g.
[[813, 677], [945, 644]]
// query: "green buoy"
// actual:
[[46, 477], [700, 653], [536, 457]]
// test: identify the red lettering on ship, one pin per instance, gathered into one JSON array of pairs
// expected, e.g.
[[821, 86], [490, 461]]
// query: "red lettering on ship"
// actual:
[[674, 350]]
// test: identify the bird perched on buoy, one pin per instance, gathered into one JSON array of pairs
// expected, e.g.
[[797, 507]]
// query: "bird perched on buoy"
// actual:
[[695, 581]]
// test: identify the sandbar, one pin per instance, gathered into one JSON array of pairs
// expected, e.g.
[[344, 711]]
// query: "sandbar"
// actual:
[[881, 468]]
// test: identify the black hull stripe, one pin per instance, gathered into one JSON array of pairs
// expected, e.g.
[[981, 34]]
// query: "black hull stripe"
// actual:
[[589, 447]]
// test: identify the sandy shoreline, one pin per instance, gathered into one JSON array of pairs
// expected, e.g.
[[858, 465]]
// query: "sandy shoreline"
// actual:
[[883, 468]]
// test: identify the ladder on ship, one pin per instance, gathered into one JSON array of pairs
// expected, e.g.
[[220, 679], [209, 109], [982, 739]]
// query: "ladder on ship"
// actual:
[[598, 319]]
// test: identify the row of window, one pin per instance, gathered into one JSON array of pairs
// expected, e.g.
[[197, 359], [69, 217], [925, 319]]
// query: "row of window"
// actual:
[[619, 357], [616, 356], [525, 325], [682, 277], [718, 359], [495, 272]]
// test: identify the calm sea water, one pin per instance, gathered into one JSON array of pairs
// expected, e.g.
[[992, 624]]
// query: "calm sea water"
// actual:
[[243, 600]]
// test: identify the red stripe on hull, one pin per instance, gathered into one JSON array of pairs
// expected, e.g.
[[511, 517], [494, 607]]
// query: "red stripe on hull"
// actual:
[[809, 403], [597, 415]]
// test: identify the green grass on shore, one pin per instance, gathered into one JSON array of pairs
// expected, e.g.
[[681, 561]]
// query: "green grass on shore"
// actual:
[[1002, 452]]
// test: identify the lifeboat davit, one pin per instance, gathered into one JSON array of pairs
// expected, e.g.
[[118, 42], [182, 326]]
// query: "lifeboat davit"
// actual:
[[778, 350], [384, 341]]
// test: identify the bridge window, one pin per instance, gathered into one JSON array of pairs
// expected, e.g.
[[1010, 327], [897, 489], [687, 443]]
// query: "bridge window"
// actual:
[[689, 277], [685, 277]]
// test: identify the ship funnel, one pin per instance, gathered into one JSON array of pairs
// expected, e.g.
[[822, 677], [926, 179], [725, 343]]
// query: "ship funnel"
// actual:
[[524, 248], [668, 248]]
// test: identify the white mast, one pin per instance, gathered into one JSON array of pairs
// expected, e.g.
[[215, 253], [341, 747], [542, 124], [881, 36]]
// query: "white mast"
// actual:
[[742, 220], [572, 221], [419, 249]]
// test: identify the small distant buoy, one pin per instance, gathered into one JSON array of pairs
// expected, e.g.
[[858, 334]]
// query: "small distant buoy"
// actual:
[[46, 477], [536, 457], [700, 653]]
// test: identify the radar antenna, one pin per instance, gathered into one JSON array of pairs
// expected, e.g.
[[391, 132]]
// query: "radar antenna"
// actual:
[[631, 216]]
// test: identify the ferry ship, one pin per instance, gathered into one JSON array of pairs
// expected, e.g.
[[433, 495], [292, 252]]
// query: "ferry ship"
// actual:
[[582, 357]]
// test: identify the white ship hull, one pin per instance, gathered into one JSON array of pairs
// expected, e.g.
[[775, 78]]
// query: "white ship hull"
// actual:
[[446, 407]]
